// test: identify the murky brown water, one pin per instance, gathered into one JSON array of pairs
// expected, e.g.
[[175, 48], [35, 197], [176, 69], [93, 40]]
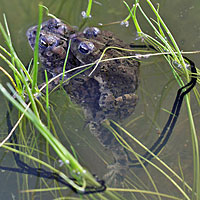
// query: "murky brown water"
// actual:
[[157, 90]]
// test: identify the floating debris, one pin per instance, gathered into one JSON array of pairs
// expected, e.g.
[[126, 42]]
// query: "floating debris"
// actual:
[[125, 23], [84, 15]]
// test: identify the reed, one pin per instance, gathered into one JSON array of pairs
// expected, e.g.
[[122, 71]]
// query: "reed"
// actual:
[[25, 86]]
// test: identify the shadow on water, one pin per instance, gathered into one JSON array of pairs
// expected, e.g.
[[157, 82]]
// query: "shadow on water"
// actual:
[[152, 81]]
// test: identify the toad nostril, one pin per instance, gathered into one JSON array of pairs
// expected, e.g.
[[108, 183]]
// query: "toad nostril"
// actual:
[[49, 53], [57, 26], [59, 51]]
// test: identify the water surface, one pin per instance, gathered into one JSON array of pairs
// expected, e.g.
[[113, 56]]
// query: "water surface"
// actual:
[[157, 90]]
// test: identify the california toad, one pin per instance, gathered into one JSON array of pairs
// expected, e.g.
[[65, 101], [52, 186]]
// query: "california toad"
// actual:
[[107, 93]]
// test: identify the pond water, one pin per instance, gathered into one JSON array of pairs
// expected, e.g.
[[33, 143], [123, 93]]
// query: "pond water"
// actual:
[[156, 92]]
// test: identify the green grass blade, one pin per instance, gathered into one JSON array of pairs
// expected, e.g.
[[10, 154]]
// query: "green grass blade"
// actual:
[[36, 49]]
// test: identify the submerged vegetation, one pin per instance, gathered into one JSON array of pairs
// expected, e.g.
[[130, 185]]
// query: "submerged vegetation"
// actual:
[[26, 97]]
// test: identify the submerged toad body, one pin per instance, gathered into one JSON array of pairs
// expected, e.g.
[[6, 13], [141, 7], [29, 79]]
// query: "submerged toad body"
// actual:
[[106, 93]]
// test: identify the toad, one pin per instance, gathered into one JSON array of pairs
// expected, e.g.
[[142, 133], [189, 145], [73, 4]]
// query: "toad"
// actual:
[[106, 90]]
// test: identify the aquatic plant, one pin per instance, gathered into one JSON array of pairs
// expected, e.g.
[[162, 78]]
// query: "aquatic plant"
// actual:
[[25, 84]]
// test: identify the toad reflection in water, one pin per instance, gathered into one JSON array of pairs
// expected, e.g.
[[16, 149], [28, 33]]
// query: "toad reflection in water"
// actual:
[[109, 93]]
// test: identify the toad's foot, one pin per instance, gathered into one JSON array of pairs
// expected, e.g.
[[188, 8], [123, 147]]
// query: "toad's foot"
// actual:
[[116, 174]]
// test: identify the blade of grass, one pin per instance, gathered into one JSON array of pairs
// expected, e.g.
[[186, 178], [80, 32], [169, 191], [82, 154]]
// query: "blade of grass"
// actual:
[[61, 151], [36, 49], [180, 60], [195, 145], [13, 55], [47, 101], [89, 8], [139, 157], [65, 63]]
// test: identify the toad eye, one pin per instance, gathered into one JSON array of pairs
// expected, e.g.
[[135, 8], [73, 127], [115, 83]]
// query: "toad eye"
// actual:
[[57, 26], [43, 43], [86, 47]]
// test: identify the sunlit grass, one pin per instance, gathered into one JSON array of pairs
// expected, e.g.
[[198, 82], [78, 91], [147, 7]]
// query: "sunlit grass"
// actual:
[[164, 45], [28, 87]]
